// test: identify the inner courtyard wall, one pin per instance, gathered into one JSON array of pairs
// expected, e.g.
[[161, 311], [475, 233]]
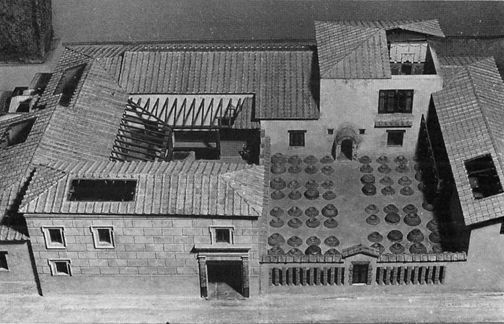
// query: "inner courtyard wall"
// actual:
[[152, 255]]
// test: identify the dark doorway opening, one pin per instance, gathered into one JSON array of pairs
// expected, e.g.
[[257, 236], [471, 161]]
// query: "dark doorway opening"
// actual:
[[360, 273], [346, 149], [225, 279]]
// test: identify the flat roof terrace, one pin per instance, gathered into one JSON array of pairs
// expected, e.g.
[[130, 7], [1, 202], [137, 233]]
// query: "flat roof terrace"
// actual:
[[322, 206]]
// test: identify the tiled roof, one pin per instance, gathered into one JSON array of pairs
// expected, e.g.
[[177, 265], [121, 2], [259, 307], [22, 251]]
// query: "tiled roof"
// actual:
[[351, 52], [169, 188], [87, 128], [8, 233], [282, 77], [451, 65], [428, 27], [471, 115], [358, 49]]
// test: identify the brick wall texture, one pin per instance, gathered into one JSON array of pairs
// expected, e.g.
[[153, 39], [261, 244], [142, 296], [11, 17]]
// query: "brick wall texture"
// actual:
[[146, 246]]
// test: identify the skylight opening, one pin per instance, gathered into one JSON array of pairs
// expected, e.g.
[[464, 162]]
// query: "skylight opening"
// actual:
[[483, 177], [17, 133], [68, 83], [102, 190]]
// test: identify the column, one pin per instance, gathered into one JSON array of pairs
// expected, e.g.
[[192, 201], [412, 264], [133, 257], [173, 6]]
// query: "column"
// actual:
[[203, 276], [245, 276]]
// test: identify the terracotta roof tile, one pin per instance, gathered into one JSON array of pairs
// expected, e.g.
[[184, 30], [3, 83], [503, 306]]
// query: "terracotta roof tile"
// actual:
[[184, 188], [8, 233], [471, 114], [280, 79], [358, 49], [86, 130]]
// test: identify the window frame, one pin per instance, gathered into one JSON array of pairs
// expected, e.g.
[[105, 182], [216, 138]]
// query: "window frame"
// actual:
[[96, 236], [389, 101], [297, 142], [395, 131], [478, 186], [26, 130], [213, 233], [54, 269], [65, 88], [47, 237], [3, 261], [73, 196]]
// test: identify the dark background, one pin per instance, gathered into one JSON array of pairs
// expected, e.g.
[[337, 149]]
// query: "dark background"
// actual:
[[156, 20]]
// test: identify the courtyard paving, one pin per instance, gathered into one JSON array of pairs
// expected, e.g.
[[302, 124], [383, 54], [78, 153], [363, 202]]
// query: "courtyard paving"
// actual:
[[305, 190]]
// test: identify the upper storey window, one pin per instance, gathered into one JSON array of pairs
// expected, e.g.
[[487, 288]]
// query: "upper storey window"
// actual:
[[68, 83], [395, 101], [407, 58], [16, 133]]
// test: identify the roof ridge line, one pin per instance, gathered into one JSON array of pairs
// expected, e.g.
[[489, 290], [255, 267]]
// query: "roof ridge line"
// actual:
[[230, 183]]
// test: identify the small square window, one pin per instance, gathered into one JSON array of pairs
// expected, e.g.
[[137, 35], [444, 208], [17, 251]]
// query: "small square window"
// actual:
[[103, 237], [395, 138], [54, 237], [3, 261], [330, 131], [222, 234], [362, 131], [297, 137], [60, 267]]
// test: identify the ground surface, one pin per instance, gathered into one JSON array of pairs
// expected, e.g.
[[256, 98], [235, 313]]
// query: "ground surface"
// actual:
[[467, 307], [343, 178]]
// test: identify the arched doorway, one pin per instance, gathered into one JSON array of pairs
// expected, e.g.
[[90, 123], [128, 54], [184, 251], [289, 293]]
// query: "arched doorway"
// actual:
[[346, 149], [345, 144]]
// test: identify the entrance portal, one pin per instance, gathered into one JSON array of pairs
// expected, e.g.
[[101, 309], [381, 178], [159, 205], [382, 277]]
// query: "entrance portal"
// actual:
[[225, 279], [360, 273], [346, 149]]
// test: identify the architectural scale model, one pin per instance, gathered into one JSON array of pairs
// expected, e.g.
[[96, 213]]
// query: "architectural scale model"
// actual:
[[233, 169]]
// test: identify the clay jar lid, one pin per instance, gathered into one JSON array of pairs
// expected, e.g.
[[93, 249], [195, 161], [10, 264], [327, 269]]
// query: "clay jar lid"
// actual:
[[276, 239], [330, 211]]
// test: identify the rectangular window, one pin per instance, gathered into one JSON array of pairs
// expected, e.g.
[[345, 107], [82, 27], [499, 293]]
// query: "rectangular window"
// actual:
[[483, 177], [222, 234], [395, 101], [60, 267], [297, 137], [395, 137], [68, 83], [17, 133], [330, 131], [3, 261], [360, 273], [102, 190], [103, 237], [54, 237]]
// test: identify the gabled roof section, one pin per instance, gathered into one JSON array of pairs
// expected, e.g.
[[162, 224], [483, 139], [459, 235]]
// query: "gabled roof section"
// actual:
[[86, 129], [199, 188], [358, 49], [451, 65], [470, 110], [282, 77], [359, 249], [427, 27], [351, 52]]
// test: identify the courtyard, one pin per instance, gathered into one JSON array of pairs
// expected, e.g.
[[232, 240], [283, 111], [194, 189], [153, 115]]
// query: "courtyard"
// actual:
[[320, 206]]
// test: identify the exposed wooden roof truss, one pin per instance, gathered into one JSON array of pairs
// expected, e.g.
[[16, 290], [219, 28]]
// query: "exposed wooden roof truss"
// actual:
[[193, 111], [142, 136]]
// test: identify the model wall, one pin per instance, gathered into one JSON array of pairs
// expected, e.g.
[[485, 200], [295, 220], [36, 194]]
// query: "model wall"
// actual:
[[19, 278], [151, 255], [354, 103]]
